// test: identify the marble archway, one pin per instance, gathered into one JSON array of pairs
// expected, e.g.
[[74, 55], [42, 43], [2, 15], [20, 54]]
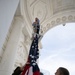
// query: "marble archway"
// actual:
[[50, 12]]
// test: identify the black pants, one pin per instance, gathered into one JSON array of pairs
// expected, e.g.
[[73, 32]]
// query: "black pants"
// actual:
[[38, 29]]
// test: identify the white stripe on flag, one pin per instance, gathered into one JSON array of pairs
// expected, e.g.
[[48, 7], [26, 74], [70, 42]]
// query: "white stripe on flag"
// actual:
[[29, 71]]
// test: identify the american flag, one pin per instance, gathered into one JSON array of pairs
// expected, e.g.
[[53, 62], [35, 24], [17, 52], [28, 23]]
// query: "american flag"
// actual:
[[31, 67]]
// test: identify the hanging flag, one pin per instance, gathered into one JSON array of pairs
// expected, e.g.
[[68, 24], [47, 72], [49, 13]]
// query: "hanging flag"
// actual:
[[31, 67]]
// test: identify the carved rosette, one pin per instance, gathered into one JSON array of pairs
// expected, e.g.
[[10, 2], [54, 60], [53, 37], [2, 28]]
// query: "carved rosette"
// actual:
[[21, 55], [64, 18], [58, 20], [26, 39], [70, 17]]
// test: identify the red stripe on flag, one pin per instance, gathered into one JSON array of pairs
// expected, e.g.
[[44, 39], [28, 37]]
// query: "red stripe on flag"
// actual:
[[27, 66], [36, 73]]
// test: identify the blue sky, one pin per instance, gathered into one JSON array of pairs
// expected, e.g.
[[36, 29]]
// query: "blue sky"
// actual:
[[58, 49]]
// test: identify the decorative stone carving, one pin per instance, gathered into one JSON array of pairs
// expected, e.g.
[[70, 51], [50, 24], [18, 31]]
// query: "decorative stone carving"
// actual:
[[40, 12], [3, 48], [44, 29], [48, 25], [52, 22], [26, 39], [70, 17], [52, 10], [64, 18], [6, 40], [31, 2], [38, 8], [21, 54], [58, 20], [61, 5]]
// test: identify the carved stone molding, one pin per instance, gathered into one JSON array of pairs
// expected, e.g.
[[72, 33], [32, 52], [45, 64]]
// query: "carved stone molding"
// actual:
[[46, 10], [38, 8], [6, 39], [64, 18], [70, 17], [57, 21], [52, 22], [21, 56], [62, 5], [26, 39]]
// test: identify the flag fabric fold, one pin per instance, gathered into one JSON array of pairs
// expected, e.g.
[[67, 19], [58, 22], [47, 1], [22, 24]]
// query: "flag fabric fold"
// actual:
[[31, 67]]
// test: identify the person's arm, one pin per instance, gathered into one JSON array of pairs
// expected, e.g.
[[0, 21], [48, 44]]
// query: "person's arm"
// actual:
[[34, 23]]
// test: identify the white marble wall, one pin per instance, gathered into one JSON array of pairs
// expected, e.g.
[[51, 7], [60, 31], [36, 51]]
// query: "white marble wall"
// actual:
[[7, 11], [9, 55]]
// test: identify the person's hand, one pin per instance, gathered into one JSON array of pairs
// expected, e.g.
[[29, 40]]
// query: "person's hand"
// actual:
[[22, 68], [35, 22]]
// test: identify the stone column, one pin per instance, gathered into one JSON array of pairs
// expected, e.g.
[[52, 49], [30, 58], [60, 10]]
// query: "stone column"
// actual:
[[8, 59]]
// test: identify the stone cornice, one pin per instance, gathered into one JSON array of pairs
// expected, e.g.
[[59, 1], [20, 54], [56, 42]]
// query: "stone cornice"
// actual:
[[58, 19]]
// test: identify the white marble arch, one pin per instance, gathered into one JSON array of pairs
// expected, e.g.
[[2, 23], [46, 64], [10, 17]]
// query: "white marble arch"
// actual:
[[50, 12]]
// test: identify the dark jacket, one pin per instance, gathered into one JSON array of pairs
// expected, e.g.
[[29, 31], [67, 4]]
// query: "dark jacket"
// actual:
[[17, 71]]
